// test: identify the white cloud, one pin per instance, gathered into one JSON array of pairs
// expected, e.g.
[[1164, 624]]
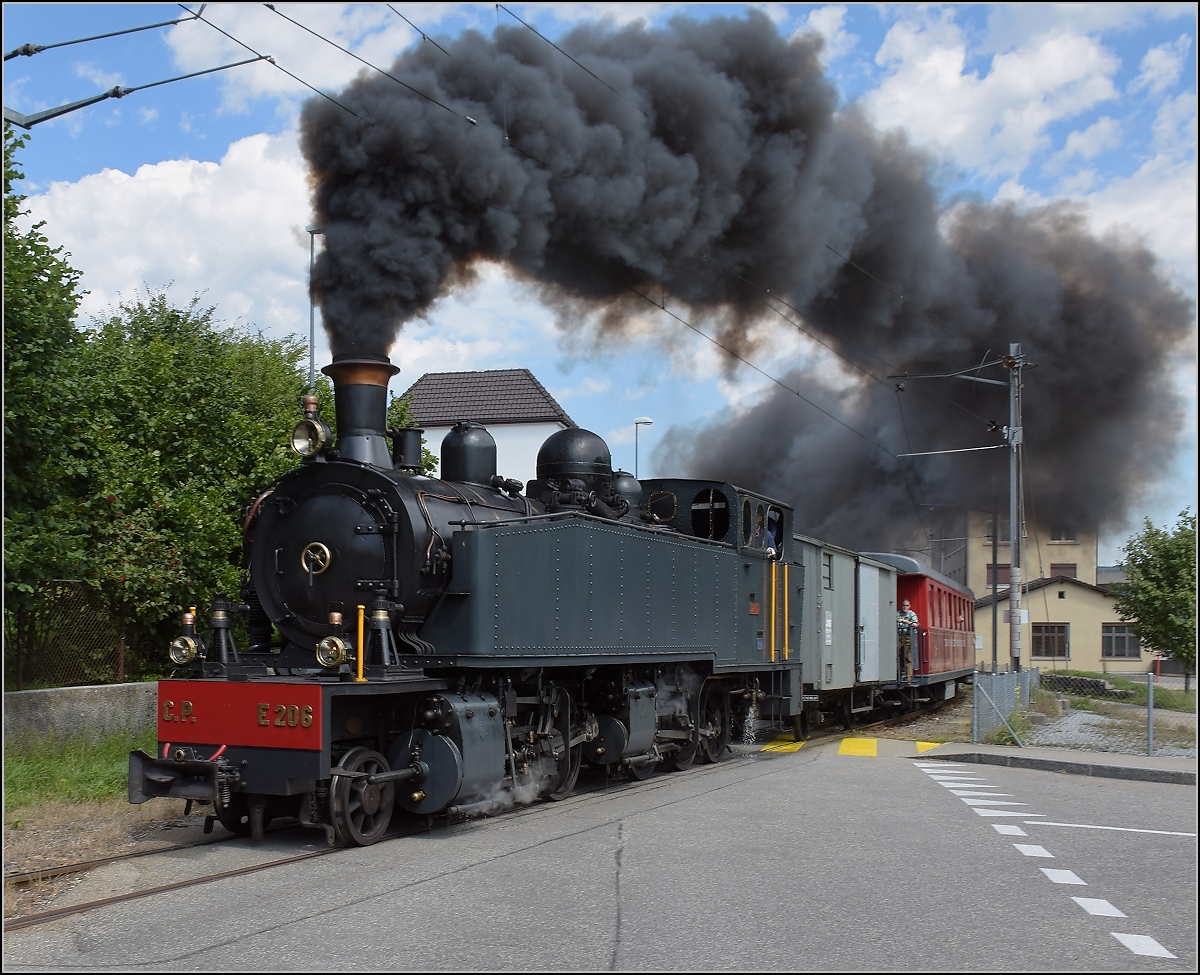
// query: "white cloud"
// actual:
[[830, 23], [227, 230], [995, 122], [371, 31], [1175, 126], [103, 80], [1087, 143], [1162, 66]]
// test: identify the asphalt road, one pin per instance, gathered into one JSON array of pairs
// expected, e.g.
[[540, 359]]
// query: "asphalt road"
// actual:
[[826, 859]]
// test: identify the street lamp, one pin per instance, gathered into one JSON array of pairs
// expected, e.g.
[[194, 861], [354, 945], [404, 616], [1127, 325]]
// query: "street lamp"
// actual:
[[312, 310], [641, 421]]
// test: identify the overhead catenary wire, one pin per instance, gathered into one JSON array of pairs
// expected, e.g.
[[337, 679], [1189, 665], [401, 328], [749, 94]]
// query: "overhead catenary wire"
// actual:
[[28, 50], [424, 36], [199, 16]]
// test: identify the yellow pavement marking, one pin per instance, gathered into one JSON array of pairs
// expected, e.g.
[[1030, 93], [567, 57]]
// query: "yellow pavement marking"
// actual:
[[924, 746], [784, 743], [859, 746]]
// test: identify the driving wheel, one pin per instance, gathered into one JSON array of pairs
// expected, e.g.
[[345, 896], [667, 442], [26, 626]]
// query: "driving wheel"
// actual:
[[714, 722], [569, 759], [362, 811]]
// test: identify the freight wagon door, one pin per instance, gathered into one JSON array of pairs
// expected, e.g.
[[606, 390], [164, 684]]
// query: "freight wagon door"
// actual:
[[868, 622]]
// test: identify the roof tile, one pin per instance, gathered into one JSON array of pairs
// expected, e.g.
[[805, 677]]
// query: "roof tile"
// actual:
[[489, 396]]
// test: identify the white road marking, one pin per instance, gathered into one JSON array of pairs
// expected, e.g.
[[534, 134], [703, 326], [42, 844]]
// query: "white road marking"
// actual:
[[976, 792], [1008, 830], [1063, 877], [1143, 944], [1118, 829], [1002, 812], [1097, 906], [1033, 851], [992, 802]]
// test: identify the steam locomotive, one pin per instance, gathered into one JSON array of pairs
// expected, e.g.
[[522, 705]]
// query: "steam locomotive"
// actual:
[[459, 644]]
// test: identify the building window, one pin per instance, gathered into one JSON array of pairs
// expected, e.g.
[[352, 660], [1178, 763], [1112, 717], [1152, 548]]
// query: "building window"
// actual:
[[1060, 534], [1051, 640], [1119, 640], [1002, 528], [1068, 569], [827, 570], [997, 575]]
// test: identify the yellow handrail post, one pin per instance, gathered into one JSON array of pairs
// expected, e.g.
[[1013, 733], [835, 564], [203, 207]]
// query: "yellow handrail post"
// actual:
[[787, 594], [774, 567], [362, 650]]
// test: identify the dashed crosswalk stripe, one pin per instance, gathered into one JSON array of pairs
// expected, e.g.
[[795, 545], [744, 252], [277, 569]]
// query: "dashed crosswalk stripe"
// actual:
[[980, 811], [1143, 944], [1031, 850], [1063, 877], [1098, 906]]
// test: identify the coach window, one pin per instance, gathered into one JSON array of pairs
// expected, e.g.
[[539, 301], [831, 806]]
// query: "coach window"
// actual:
[[747, 522], [827, 570]]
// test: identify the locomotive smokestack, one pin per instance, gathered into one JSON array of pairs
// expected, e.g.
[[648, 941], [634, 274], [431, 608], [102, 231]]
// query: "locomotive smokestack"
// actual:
[[360, 400]]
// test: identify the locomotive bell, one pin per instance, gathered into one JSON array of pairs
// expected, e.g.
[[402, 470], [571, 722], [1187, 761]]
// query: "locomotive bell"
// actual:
[[360, 400]]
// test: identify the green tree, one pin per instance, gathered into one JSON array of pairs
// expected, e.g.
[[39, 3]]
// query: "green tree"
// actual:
[[185, 423], [41, 297], [1159, 594]]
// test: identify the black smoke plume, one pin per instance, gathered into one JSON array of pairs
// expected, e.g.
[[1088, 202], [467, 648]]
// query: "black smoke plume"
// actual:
[[705, 164]]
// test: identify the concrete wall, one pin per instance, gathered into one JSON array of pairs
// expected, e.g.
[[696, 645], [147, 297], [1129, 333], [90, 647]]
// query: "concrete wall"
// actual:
[[79, 712]]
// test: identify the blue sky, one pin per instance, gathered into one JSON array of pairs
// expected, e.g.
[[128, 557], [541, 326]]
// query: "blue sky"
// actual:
[[199, 184]]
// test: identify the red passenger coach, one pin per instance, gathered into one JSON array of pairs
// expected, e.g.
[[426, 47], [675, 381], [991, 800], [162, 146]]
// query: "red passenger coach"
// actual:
[[946, 635]]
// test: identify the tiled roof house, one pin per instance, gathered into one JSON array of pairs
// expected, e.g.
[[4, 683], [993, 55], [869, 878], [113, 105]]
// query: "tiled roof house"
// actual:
[[517, 410]]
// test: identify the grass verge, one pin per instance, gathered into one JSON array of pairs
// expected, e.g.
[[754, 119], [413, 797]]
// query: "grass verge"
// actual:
[[53, 770]]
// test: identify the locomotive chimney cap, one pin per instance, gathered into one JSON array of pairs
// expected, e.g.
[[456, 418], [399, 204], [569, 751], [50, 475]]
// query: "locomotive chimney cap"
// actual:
[[365, 369]]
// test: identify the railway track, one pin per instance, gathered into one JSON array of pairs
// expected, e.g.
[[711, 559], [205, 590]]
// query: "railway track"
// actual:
[[400, 830]]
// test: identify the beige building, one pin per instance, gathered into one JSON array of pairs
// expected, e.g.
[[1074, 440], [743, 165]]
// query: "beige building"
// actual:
[[964, 552], [1069, 625]]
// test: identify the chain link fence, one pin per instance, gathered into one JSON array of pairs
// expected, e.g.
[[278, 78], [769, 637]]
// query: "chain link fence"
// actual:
[[1131, 714], [998, 699], [65, 638]]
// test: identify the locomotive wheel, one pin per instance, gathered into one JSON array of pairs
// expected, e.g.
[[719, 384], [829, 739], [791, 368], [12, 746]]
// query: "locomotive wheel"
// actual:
[[640, 771], [569, 761], [361, 811], [685, 754], [235, 816], [714, 723]]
